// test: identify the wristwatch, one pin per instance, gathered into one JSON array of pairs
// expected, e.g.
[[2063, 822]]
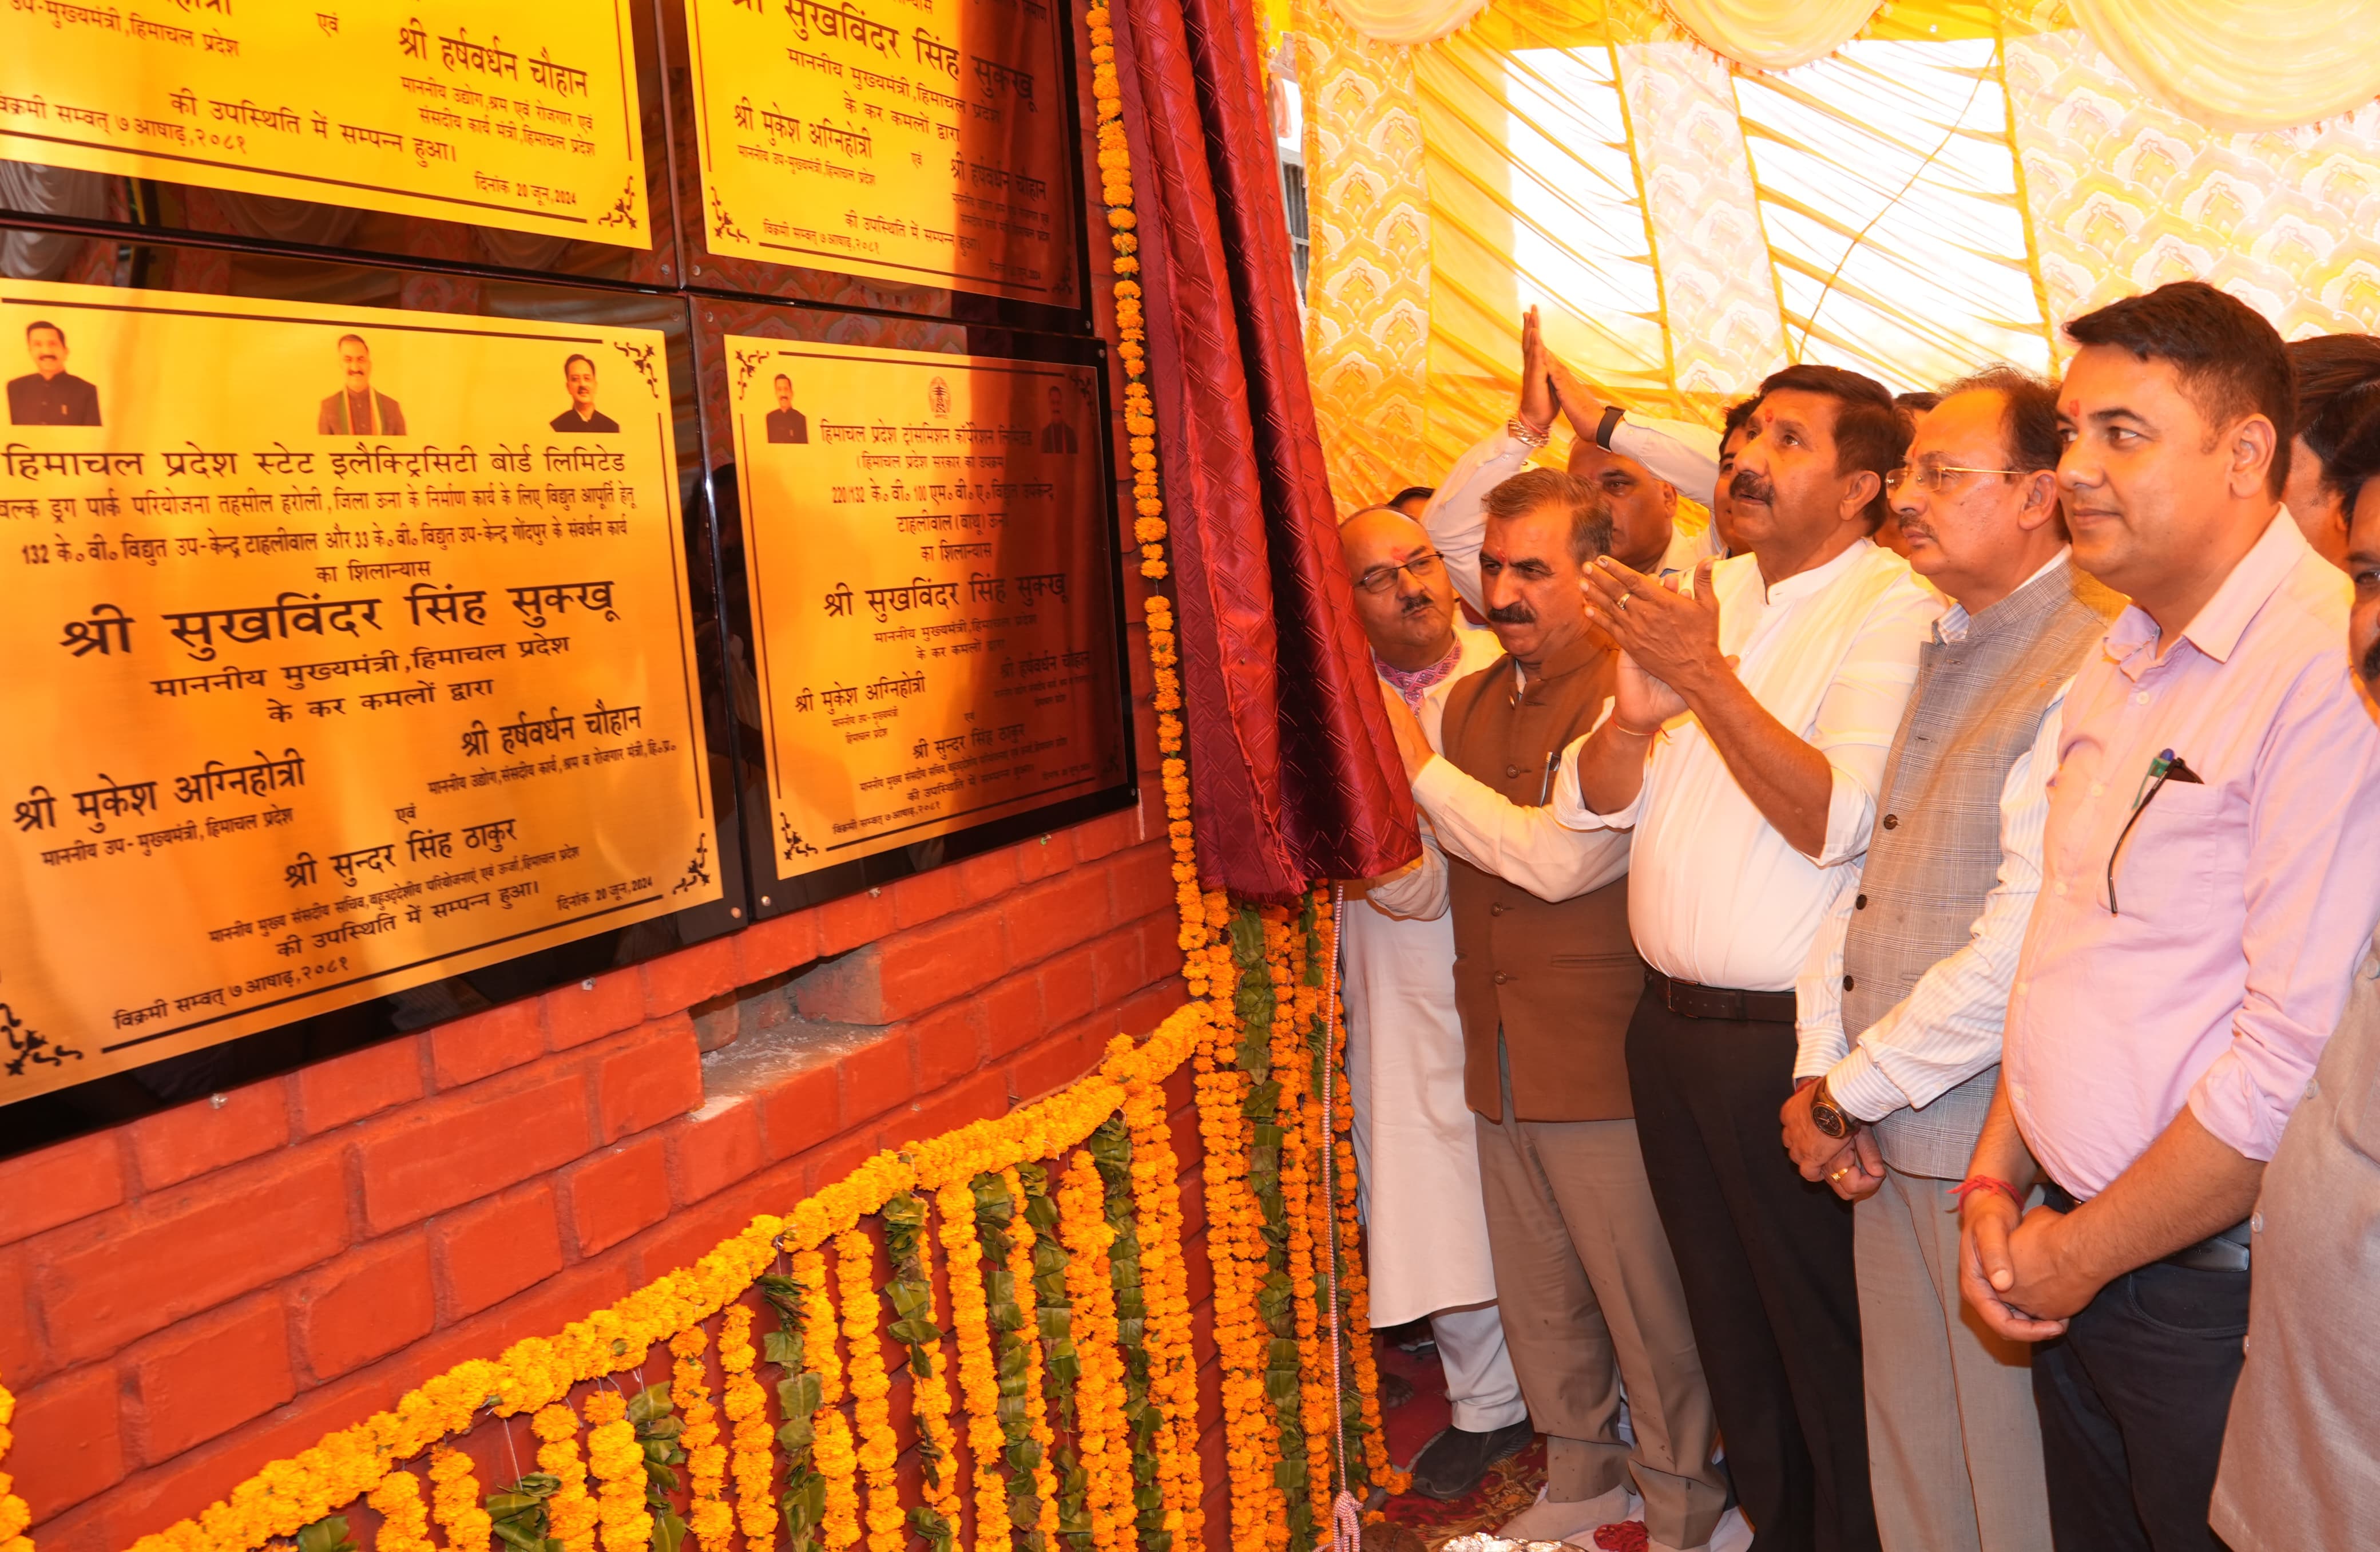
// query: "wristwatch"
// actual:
[[1612, 416], [1830, 1116]]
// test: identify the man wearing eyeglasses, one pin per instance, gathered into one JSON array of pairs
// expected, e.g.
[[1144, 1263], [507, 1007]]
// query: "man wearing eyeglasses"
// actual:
[[2207, 888], [1917, 953], [1416, 1162]]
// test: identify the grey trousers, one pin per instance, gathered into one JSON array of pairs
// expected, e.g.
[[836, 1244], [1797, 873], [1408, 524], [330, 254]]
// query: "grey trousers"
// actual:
[[1590, 1297], [1953, 1437]]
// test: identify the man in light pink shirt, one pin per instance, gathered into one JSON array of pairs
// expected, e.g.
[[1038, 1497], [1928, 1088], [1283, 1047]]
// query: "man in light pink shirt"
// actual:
[[2207, 887]]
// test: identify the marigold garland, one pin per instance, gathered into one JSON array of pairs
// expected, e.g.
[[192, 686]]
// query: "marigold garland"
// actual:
[[1227, 1088], [831, 1455], [709, 1514], [404, 1524], [1144, 1416], [1172, 1365], [916, 1325], [617, 1461], [1099, 1390], [570, 1512], [871, 1422], [454, 1498], [1029, 1395], [1052, 1285], [539, 1372], [979, 1371], [14, 1515], [1343, 1231], [746, 1409]]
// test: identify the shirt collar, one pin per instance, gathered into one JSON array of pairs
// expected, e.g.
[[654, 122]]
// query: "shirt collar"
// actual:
[[1415, 683], [1952, 625], [1802, 584], [2223, 619]]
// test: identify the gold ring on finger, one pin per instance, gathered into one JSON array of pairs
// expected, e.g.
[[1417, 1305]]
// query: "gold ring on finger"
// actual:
[[1622, 604]]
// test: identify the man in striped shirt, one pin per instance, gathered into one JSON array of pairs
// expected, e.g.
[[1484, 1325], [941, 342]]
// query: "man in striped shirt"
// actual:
[[1917, 953]]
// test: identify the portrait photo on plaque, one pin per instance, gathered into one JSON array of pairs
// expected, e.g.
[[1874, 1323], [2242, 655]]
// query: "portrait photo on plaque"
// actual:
[[344, 665], [928, 543]]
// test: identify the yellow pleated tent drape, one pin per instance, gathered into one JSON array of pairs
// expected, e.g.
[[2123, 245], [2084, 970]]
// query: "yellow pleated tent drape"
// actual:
[[1943, 190], [2238, 65], [1773, 34]]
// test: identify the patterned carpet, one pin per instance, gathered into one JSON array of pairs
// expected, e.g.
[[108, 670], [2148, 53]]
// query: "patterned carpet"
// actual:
[[1413, 1523]]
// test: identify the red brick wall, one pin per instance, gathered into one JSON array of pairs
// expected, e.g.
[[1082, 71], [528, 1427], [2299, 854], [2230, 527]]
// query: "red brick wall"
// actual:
[[188, 1296]]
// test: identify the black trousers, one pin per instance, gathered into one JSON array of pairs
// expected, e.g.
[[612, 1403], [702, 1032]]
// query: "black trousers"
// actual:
[[2133, 1399], [1766, 1258]]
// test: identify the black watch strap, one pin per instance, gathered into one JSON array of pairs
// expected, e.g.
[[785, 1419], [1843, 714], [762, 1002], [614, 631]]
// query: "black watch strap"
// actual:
[[1612, 416]]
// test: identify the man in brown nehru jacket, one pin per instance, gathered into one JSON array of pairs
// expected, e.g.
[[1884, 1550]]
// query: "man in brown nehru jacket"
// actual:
[[1545, 980]]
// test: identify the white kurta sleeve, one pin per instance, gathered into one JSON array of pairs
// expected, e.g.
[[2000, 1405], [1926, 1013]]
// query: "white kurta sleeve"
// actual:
[[1679, 451], [1418, 891], [1527, 846]]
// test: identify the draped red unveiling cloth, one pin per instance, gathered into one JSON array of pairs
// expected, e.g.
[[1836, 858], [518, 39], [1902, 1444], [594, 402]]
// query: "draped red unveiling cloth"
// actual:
[[1290, 751]]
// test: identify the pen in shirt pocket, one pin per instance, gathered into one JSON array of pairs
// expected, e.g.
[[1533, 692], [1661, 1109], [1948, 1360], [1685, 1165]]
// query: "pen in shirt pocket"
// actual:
[[1546, 787], [2166, 766]]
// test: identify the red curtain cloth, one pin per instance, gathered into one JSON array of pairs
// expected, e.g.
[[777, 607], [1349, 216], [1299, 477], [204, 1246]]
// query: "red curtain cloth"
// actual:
[[1289, 750]]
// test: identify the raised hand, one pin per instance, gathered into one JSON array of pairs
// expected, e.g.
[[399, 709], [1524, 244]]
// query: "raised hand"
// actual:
[[1536, 407], [1580, 404], [1669, 635], [1640, 703]]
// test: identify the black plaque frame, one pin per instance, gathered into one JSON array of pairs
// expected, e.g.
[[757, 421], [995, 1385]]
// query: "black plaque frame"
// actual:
[[125, 1095], [732, 275], [773, 894]]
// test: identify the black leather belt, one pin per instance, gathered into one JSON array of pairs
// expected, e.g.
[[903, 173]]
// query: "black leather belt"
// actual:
[[1689, 1000], [2226, 1251]]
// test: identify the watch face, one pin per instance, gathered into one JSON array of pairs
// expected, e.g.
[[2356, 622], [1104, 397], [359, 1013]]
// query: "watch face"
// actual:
[[1828, 1118]]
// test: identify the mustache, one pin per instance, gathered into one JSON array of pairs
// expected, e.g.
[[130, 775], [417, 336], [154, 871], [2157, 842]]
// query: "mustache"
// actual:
[[1750, 485], [1512, 613], [1417, 603]]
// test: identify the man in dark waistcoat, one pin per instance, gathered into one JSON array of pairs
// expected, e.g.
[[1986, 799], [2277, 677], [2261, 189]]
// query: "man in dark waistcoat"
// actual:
[[1547, 979]]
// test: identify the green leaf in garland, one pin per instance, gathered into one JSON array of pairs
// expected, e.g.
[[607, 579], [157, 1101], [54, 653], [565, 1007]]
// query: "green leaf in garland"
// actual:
[[518, 1515], [800, 1395], [650, 1402], [669, 1531], [917, 1334], [933, 1527], [327, 1535], [804, 1505]]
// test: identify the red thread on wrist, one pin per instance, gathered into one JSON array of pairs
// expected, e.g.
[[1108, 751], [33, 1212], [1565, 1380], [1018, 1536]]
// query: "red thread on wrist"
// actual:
[[1974, 1183]]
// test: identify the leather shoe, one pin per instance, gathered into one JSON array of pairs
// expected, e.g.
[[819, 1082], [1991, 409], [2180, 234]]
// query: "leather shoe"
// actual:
[[1454, 1464]]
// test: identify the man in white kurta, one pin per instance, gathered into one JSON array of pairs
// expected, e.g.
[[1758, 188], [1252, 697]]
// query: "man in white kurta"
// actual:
[[1417, 1148]]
